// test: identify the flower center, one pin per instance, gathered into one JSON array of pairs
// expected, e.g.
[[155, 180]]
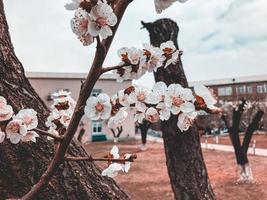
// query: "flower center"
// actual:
[[84, 24], [141, 97], [101, 21], [99, 107], [27, 120], [3, 115], [168, 51], [15, 128], [177, 101]]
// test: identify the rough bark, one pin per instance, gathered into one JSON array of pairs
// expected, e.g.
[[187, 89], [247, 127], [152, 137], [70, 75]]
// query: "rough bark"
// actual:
[[244, 169], [22, 165], [186, 167]]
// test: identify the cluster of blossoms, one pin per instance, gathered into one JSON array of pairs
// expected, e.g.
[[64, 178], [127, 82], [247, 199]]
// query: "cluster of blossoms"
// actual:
[[152, 105], [136, 62], [161, 5], [19, 127], [91, 20], [61, 112], [115, 167]]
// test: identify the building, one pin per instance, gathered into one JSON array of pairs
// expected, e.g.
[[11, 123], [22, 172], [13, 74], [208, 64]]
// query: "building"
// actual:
[[251, 88], [46, 83], [237, 88]]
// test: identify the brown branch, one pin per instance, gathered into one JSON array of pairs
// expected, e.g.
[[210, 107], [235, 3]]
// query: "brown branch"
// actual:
[[254, 125], [45, 133], [93, 76], [106, 69], [91, 159]]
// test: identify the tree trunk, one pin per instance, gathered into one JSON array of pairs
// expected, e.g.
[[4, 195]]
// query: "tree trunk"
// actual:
[[186, 167], [22, 165], [244, 169]]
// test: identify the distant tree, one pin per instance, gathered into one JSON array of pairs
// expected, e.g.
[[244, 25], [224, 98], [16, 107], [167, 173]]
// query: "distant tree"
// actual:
[[241, 148]]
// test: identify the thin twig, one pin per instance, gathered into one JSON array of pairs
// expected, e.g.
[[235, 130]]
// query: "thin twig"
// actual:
[[91, 159], [42, 132], [106, 69]]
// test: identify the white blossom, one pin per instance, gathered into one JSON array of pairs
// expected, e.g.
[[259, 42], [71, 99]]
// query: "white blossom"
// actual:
[[29, 117], [102, 18], [158, 93], [140, 113], [118, 118], [98, 107], [79, 26], [169, 52], [31, 136], [153, 58], [164, 112], [152, 115], [73, 5], [6, 111], [123, 98], [15, 130], [161, 5], [112, 170], [178, 99], [139, 96], [185, 120], [205, 93], [115, 167], [126, 167]]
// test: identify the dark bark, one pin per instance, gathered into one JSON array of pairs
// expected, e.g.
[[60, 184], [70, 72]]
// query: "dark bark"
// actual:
[[241, 150], [143, 128], [186, 167], [22, 165], [254, 125]]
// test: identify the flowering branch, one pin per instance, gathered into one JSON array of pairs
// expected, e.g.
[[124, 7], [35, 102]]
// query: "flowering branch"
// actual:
[[42, 132], [91, 159], [93, 75]]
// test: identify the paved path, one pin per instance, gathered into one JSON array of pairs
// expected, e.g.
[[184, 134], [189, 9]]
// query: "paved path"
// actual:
[[219, 147]]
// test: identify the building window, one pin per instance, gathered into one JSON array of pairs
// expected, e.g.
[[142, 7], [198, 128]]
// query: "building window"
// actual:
[[97, 127], [96, 92], [249, 89], [225, 91], [262, 88], [241, 89]]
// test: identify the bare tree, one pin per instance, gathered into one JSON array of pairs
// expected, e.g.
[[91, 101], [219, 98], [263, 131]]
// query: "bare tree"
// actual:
[[116, 133], [241, 149]]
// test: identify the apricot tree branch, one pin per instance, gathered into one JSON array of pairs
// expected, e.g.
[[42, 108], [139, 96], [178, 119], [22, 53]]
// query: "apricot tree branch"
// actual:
[[92, 77], [45, 133], [91, 159], [106, 69]]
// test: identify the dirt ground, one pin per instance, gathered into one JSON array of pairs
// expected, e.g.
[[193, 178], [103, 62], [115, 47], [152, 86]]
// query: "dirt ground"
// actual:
[[261, 140], [148, 178]]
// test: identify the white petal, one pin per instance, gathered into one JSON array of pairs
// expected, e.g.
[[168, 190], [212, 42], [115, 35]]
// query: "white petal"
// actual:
[[105, 31], [153, 98], [112, 170], [187, 107], [2, 136], [115, 152], [15, 138]]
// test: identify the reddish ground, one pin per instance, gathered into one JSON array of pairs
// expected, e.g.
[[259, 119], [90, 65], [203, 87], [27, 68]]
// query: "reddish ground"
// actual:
[[261, 140], [148, 178]]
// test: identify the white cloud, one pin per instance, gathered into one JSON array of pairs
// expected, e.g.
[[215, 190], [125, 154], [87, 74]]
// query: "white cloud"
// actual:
[[220, 38]]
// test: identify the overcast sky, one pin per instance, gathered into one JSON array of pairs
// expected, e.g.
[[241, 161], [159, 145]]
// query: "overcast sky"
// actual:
[[220, 38]]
